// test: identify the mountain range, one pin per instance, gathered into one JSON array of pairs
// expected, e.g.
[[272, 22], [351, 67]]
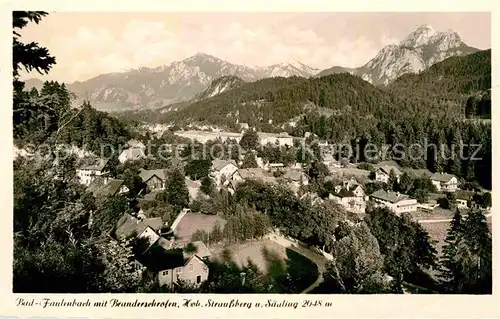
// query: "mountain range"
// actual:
[[275, 104], [203, 75]]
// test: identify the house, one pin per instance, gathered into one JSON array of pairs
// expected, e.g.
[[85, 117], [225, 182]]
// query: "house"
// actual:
[[193, 188], [131, 154], [154, 179], [261, 163], [244, 126], [382, 173], [351, 195], [350, 200], [175, 264], [322, 144], [331, 162], [205, 136], [398, 203], [129, 226], [429, 206], [275, 167], [295, 179], [313, 198], [87, 172], [135, 144], [104, 186], [281, 139], [464, 199], [445, 182], [352, 184], [222, 171]]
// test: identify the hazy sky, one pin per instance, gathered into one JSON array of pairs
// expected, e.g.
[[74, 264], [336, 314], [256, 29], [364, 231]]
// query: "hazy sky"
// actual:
[[88, 44]]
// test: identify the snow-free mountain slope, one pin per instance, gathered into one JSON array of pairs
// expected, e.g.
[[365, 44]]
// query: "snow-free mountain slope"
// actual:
[[220, 85]]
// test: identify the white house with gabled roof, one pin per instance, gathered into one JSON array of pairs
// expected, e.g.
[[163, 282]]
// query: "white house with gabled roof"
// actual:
[[445, 182]]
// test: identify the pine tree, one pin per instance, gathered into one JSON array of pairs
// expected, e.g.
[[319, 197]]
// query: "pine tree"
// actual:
[[206, 185], [477, 269], [249, 140], [448, 262], [176, 192], [249, 161]]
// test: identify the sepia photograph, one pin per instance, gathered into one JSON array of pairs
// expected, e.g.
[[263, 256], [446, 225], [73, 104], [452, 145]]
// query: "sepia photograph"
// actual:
[[252, 153]]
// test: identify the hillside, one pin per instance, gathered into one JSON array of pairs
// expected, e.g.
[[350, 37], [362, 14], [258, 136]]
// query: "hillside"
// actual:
[[274, 101], [219, 85], [454, 76]]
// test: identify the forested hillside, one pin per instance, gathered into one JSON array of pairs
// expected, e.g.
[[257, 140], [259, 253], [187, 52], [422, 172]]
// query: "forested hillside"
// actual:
[[430, 107], [448, 82], [47, 117]]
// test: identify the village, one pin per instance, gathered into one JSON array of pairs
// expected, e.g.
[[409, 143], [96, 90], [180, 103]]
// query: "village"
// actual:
[[173, 249]]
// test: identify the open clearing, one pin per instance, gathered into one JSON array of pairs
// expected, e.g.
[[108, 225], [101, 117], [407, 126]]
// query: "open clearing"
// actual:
[[277, 261], [438, 213], [192, 222], [254, 251], [437, 232]]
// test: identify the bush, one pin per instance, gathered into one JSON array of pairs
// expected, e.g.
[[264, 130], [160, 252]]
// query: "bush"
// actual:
[[366, 166]]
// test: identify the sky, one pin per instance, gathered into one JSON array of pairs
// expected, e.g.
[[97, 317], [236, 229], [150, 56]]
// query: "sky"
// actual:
[[87, 44]]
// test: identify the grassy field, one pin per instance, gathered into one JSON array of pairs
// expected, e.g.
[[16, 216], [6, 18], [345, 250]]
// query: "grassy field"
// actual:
[[192, 222], [254, 251], [438, 213]]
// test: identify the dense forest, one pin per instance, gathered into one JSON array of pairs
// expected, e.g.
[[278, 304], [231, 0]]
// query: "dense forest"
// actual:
[[48, 116]]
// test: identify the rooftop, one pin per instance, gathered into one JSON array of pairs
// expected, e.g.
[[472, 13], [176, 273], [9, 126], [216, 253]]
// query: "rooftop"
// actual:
[[442, 177], [94, 164], [389, 196], [145, 175], [202, 250], [133, 153], [192, 184], [218, 164], [135, 143], [102, 187], [157, 258], [344, 193], [294, 175], [387, 169], [128, 225], [207, 133]]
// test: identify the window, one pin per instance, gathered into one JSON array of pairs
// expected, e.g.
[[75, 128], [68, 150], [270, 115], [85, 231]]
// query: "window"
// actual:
[[190, 267], [178, 270], [165, 273], [198, 279]]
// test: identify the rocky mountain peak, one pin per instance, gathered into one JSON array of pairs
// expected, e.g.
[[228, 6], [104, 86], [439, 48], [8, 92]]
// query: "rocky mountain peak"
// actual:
[[421, 36]]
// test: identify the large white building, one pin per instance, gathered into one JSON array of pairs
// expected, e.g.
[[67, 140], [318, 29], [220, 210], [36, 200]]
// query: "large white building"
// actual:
[[87, 173], [282, 139], [398, 203], [205, 136]]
